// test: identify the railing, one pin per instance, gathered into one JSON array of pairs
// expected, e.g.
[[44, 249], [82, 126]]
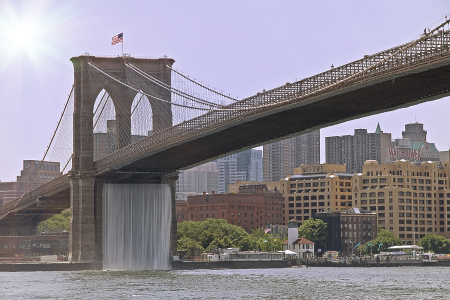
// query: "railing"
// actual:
[[427, 50]]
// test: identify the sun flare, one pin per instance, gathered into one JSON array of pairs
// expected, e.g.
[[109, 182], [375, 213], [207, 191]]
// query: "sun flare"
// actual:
[[32, 32], [22, 38]]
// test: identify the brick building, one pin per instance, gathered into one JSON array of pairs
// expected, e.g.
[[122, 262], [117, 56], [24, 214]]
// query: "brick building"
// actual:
[[346, 229], [252, 208]]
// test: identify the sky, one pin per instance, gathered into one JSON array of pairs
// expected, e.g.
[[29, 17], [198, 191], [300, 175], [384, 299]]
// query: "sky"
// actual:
[[240, 47]]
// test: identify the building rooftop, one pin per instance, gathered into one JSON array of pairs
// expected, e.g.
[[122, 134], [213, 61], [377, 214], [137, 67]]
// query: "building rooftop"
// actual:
[[299, 241], [318, 176]]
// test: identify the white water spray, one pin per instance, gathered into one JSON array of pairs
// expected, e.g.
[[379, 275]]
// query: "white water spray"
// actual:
[[136, 226]]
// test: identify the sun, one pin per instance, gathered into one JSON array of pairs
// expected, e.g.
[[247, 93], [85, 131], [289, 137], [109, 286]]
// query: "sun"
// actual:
[[31, 32], [22, 37]]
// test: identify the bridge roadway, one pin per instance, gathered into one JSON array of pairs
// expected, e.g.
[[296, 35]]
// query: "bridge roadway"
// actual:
[[421, 75]]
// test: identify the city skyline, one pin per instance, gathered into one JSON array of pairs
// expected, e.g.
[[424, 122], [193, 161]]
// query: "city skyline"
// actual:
[[242, 50]]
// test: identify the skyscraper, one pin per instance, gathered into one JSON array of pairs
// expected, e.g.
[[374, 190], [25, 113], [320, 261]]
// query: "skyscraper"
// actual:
[[280, 158], [195, 181], [354, 150], [413, 146], [242, 166]]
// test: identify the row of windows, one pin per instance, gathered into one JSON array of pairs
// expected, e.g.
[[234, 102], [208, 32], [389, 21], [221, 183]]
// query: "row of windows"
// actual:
[[308, 184], [299, 198], [351, 227], [401, 193], [307, 204], [402, 200], [307, 191], [414, 215]]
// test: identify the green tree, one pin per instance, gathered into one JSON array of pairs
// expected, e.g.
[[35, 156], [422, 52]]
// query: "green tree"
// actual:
[[269, 243], [314, 230], [191, 247], [258, 233], [435, 243], [249, 242], [382, 242], [56, 224], [212, 233]]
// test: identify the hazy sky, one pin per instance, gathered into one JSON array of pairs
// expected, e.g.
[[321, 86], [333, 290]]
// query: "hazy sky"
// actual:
[[240, 47]]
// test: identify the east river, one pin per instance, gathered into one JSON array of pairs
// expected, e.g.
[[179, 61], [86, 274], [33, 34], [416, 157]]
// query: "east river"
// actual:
[[289, 283]]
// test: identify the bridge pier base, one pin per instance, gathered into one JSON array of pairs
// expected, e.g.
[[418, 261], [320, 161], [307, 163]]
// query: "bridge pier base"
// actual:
[[83, 225]]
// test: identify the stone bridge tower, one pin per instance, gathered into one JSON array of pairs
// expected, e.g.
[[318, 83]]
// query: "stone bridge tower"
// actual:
[[85, 187]]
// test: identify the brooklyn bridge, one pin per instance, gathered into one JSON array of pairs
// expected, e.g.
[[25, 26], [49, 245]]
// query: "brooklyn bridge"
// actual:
[[163, 121]]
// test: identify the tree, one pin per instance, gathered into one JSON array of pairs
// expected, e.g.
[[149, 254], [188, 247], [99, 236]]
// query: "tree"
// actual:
[[191, 247], [382, 242], [212, 233], [314, 230], [435, 243], [56, 224], [249, 242], [269, 243]]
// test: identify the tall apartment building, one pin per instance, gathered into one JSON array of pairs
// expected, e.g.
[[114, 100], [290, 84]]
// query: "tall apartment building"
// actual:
[[315, 188], [280, 158], [242, 166], [410, 200], [195, 181], [33, 175], [354, 150]]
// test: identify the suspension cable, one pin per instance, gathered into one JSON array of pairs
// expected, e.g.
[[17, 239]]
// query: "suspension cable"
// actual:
[[170, 88], [139, 91], [48, 147], [205, 87]]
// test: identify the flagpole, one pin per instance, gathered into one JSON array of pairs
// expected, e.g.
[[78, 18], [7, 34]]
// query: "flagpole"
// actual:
[[122, 44]]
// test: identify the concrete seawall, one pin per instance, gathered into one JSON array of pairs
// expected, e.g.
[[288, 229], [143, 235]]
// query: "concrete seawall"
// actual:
[[182, 265], [34, 267]]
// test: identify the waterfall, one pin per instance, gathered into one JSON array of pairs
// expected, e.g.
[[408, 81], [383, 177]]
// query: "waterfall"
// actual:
[[136, 226]]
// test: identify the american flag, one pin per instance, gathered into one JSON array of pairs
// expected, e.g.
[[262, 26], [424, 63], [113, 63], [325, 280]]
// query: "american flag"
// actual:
[[117, 39], [267, 230]]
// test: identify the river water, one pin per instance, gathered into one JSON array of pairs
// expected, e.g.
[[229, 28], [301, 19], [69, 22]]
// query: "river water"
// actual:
[[288, 283]]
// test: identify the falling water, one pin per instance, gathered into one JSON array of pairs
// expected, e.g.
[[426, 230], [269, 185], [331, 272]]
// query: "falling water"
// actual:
[[136, 226]]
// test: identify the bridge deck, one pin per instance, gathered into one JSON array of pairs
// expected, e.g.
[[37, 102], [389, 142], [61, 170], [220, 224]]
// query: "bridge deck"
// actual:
[[152, 156], [398, 77]]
